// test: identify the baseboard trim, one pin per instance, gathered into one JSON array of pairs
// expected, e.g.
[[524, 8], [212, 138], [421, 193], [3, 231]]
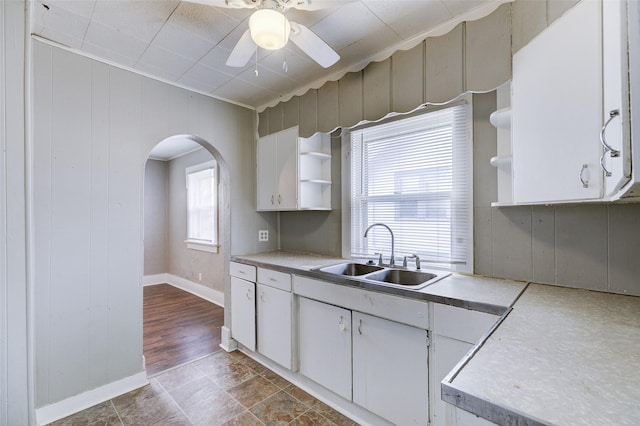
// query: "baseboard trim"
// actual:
[[207, 293], [154, 279], [66, 407], [226, 342]]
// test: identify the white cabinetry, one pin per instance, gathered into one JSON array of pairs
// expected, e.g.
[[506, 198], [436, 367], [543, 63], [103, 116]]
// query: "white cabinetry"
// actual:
[[379, 361], [325, 345], [278, 170], [557, 110], [455, 331], [572, 79], [274, 316], [243, 304], [390, 369], [294, 173]]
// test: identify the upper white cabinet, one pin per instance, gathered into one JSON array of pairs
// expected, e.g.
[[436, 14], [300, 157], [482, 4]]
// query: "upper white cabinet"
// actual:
[[557, 110], [278, 170], [294, 173], [571, 107]]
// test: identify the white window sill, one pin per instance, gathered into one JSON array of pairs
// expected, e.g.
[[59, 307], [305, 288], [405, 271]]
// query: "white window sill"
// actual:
[[198, 245]]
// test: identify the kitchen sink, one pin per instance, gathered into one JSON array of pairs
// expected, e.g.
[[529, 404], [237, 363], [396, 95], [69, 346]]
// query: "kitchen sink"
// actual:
[[402, 277], [351, 269], [387, 276]]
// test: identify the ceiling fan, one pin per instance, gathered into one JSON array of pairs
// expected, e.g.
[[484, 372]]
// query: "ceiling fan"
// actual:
[[271, 30]]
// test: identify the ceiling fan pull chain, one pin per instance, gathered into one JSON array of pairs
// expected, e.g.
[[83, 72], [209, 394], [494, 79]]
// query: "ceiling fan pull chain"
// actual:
[[256, 70], [285, 67]]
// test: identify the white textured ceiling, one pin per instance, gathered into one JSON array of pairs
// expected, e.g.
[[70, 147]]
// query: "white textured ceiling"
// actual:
[[188, 43]]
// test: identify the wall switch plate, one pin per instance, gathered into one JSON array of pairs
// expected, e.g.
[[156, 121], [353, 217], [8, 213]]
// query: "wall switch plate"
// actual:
[[263, 235]]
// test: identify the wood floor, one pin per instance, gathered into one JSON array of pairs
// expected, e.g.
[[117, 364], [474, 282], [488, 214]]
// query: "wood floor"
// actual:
[[178, 327]]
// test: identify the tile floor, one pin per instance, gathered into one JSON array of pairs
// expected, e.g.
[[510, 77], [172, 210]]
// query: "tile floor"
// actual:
[[220, 389]]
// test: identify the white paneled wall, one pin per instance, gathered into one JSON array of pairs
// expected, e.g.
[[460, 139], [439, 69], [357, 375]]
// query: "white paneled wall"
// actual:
[[94, 125], [14, 360]]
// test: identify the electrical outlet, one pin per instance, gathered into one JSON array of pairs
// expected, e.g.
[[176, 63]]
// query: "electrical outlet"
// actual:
[[263, 235], [200, 276]]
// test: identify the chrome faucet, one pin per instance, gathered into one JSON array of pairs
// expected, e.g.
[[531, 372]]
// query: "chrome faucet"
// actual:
[[392, 262], [413, 256]]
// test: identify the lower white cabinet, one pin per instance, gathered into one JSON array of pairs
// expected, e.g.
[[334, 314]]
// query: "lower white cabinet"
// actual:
[[455, 332], [243, 312], [274, 308], [324, 345], [380, 365], [390, 369]]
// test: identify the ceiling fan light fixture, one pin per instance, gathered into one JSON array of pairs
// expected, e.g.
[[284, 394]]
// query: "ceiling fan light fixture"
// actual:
[[269, 29]]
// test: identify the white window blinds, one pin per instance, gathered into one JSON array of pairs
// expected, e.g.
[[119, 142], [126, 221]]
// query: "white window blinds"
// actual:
[[202, 203], [415, 176]]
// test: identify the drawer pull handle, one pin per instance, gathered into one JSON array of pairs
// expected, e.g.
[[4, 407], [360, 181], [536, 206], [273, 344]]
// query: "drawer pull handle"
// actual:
[[273, 280], [249, 294], [360, 326], [242, 272], [272, 200], [585, 183], [341, 325], [607, 173]]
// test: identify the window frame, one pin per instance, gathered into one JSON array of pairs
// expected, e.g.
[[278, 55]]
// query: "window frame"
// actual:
[[465, 99], [195, 243]]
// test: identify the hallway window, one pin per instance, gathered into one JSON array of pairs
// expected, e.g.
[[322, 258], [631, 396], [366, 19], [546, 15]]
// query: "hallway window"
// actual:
[[202, 207]]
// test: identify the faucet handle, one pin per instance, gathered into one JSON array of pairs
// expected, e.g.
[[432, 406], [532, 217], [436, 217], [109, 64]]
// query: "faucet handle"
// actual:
[[379, 258], [404, 262]]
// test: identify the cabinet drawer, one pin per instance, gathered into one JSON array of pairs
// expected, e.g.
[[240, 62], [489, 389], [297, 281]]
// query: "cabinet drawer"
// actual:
[[461, 324], [275, 279], [399, 309], [240, 270]]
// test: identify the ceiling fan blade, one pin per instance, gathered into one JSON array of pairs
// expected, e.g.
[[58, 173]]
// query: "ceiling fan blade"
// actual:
[[313, 45], [241, 53], [231, 4], [313, 4]]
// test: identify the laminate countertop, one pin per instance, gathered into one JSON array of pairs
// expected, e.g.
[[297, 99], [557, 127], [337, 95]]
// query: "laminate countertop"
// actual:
[[490, 295], [558, 356]]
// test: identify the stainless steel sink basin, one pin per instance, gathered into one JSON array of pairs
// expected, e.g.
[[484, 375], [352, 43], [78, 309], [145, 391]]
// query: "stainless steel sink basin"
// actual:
[[380, 275], [402, 277], [350, 269]]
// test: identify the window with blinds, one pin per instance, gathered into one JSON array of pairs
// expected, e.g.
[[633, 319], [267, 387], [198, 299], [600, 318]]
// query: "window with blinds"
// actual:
[[202, 224], [415, 176]]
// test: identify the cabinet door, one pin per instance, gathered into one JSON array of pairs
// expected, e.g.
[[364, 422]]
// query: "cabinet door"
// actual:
[[557, 110], [447, 353], [274, 324], [243, 312], [390, 369], [616, 95], [325, 345], [267, 163], [287, 169]]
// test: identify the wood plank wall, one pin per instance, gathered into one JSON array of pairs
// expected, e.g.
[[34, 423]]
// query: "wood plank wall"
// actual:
[[474, 56]]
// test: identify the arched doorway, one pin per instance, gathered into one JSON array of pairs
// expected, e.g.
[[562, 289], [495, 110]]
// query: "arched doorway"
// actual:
[[184, 276]]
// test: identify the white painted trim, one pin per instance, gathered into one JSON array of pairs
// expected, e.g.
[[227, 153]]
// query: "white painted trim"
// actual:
[[136, 71], [204, 292], [226, 342], [66, 407], [207, 293], [210, 248], [154, 279]]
